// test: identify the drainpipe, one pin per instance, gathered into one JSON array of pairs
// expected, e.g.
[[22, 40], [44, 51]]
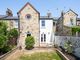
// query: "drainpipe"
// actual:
[[18, 28], [18, 22]]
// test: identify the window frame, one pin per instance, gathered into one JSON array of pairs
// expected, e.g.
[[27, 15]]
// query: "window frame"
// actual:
[[28, 16], [71, 21], [43, 38], [43, 23]]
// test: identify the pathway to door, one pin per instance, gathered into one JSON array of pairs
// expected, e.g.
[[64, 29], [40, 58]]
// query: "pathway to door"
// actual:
[[18, 53]]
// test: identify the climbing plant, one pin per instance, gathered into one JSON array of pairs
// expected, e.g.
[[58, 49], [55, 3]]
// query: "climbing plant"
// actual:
[[75, 29]]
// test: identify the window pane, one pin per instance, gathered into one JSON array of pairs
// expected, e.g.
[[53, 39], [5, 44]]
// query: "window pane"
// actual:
[[71, 21], [53, 23], [41, 37], [44, 37], [43, 22], [28, 34]]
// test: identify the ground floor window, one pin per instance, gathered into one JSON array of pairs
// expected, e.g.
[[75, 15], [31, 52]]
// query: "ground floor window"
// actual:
[[28, 34], [43, 37]]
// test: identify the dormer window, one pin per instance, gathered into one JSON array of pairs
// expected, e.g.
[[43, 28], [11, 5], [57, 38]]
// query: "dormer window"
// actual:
[[28, 16]]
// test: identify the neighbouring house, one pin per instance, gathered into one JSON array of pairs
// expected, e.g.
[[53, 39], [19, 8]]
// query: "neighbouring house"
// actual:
[[70, 18], [66, 22], [12, 21], [78, 21]]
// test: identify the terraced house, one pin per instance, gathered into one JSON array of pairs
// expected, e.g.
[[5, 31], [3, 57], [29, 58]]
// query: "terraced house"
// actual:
[[32, 24], [43, 28]]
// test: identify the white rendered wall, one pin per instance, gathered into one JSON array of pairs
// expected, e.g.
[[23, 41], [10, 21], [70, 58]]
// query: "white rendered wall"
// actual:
[[48, 30]]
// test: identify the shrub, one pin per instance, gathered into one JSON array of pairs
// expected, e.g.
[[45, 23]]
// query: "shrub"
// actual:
[[3, 41], [12, 36], [5, 49], [13, 33], [68, 47], [29, 42]]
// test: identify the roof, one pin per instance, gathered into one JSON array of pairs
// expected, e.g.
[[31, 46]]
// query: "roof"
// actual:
[[4, 17], [72, 11], [48, 18], [25, 6], [78, 19], [45, 18], [55, 18]]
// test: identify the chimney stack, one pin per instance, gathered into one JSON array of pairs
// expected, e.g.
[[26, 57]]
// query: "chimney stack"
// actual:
[[48, 14], [9, 12], [62, 13]]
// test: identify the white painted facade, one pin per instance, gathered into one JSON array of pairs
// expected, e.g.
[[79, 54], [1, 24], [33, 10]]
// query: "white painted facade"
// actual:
[[47, 30]]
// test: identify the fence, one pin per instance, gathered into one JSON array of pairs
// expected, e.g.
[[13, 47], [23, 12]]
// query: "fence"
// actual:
[[75, 41]]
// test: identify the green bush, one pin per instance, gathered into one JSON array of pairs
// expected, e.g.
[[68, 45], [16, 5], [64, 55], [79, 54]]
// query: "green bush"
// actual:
[[13, 33], [68, 47], [3, 41], [12, 36], [29, 42]]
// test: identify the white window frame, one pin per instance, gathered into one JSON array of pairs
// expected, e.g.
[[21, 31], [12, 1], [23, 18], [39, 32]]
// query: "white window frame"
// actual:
[[42, 23]]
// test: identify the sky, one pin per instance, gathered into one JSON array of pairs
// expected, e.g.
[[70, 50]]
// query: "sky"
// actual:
[[43, 6]]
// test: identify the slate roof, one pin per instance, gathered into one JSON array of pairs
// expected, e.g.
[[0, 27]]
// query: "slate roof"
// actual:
[[78, 19], [4, 17], [72, 11], [26, 5], [48, 18]]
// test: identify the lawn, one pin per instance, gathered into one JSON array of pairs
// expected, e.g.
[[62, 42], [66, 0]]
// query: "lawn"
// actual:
[[41, 56]]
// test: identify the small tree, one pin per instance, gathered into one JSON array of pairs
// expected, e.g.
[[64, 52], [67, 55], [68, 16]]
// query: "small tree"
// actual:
[[13, 33], [3, 28], [29, 42], [12, 36]]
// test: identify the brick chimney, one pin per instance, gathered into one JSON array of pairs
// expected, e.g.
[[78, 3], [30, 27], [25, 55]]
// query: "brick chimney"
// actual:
[[62, 13], [48, 14], [9, 12]]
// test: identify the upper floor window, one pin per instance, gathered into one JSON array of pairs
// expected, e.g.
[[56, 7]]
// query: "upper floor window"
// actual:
[[71, 20], [28, 16], [43, 23]]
